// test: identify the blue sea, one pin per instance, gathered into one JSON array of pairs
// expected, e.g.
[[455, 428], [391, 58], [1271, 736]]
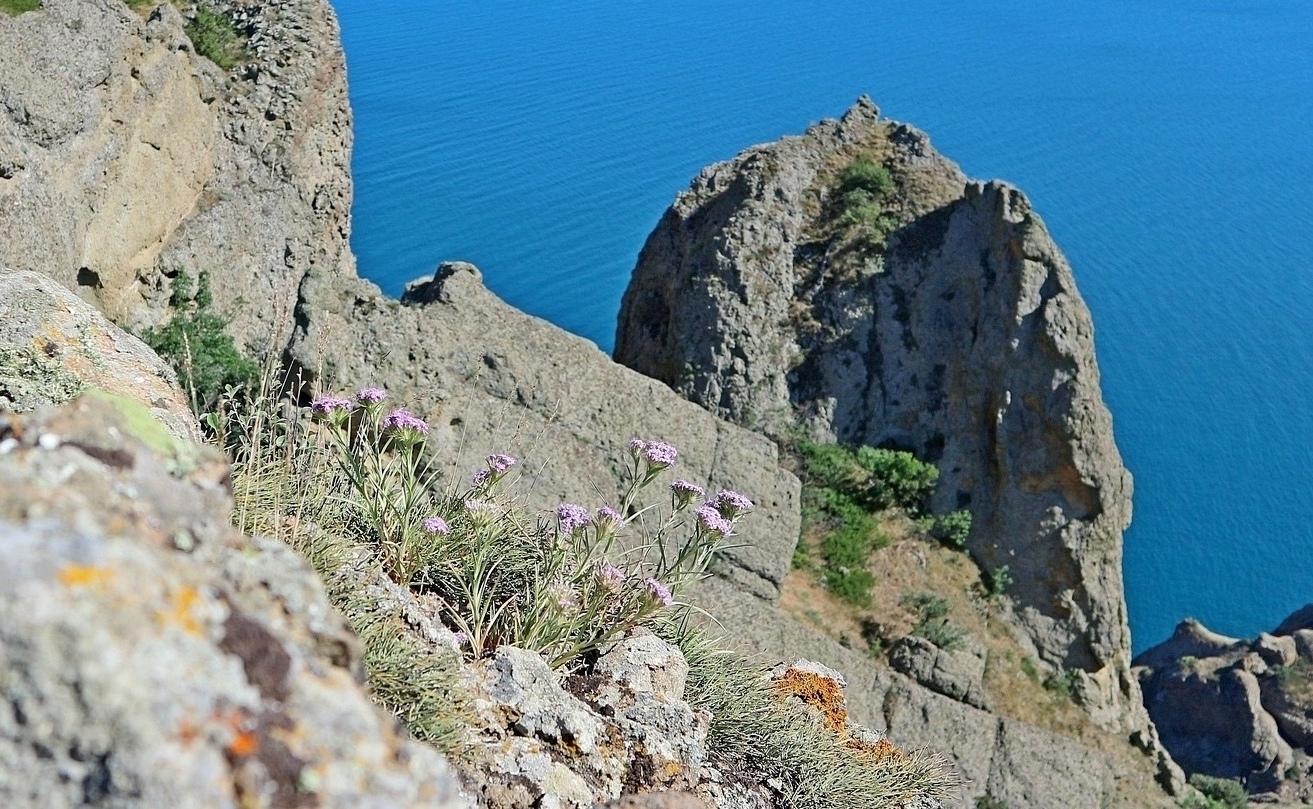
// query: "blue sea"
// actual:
[[1168, 144]]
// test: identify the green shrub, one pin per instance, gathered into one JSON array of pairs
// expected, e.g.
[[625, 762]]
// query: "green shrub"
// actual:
[[990, 802], [897, 479], [953, 528], [195, 343], [997, 581], [932, 620], [1063, 683], [861, 197], [1218, 793], [15, 7], [216, 38]]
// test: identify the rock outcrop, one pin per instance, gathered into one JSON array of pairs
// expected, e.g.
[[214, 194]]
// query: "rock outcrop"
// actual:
[[125, 157], [963, 339], [491, 378], [53, 346], [152, 656], [1239, 709]]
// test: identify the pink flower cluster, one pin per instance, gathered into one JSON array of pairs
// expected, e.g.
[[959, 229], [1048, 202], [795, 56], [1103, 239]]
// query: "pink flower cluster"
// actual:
[[606, 514], [731, 504], [712, 521], [572, 517], [436, 525], [371, 396], [658, 454], [327, 405], [612, 578], [401, 419], [659, 591]]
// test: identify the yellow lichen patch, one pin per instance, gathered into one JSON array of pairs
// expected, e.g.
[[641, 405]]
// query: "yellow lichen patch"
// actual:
[[182, 611], [84, 575], [821, 693]]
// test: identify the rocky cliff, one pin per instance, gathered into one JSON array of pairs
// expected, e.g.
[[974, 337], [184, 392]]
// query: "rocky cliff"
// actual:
[[125, 157], [247, 178], [1237, 709], [961, 336]]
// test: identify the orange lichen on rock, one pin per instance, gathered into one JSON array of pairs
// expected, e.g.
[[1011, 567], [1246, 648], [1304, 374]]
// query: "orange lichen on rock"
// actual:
[[185, 602], [879, 751], [819, 692], [84, 575]]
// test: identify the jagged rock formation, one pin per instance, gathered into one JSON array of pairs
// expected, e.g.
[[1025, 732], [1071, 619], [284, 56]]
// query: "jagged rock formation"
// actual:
[[125, 157], [153, 656], [963, 339], [1234, 708]]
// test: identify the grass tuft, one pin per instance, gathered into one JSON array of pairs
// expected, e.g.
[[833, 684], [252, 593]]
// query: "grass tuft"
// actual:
[[15, 7]]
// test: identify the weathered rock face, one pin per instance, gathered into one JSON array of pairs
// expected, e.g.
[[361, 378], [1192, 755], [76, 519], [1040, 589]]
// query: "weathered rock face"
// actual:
[[53, 346], [152, 656], [490, 378], [1234, 708], [966, 341], [125, 157], [1010, 761]]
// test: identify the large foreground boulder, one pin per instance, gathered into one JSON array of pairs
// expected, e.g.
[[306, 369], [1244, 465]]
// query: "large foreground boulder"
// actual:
[[152, 656]]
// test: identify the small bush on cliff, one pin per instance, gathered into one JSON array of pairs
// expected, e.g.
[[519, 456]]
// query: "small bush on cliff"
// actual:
[[195, 343], [15, 7], [216, 38], [1218, 793], [861, 199], [952, 529], [932, 620], [841, 489]]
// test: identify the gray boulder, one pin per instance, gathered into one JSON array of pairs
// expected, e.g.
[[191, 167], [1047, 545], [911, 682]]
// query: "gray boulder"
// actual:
[[966, 341], [958, 674], [152, 656], [54, 346]]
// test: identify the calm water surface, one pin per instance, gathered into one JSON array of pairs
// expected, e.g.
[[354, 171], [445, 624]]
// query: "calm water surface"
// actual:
[[1166, 143]]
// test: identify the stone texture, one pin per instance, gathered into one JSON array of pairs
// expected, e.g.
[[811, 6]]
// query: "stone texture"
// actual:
[[994, 756], [152, 656], [967, 342], [1234, 708], [124, 157], [490, 378], [53, 346], [958, 674]]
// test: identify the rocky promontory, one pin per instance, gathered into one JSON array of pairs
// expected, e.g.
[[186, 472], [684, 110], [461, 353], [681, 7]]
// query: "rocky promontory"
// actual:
[[956, 332], [1237, 709]]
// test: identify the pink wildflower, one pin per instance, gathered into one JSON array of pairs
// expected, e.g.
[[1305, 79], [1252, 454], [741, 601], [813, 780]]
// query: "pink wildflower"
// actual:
[[401, 420], [612, 578], [608, 514], [436, 525], [731, 504], [685, 491], [659, 591], [709, 517], [371, 396], [327, 405], [481, 477], [660, 454], [572, 517], [500, 463], [460, 639]]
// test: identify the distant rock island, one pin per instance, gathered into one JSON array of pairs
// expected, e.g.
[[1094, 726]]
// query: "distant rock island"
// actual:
[[848, 287]]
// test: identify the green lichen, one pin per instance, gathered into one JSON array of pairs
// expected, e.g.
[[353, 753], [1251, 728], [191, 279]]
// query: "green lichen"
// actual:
[[30, 379]]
